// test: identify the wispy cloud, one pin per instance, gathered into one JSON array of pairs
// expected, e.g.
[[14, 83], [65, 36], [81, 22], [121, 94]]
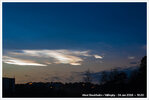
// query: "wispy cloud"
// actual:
[[131, 57], [62, 56], [16, 61], [133, 62], [98, 57]]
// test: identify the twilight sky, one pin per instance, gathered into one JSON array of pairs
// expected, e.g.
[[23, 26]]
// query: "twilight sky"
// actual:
[[55, 41]]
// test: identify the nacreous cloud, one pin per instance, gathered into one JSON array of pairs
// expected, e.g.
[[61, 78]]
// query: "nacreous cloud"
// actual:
[[98, 57], [63, 56], [16, 61]]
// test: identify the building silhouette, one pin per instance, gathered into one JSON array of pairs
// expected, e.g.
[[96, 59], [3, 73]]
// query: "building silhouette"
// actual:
[[8, 86]]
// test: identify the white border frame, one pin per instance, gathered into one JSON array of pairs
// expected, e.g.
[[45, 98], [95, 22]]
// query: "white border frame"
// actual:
[[73, 1]]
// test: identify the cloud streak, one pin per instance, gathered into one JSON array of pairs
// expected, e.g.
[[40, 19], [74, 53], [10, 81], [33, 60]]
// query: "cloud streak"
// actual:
[[61, 56], [16, 61], [98, 57], [131, 57]]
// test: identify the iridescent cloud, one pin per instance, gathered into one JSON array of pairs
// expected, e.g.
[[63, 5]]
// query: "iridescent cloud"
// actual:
[[16, 61], [62, 56], [98, 57]]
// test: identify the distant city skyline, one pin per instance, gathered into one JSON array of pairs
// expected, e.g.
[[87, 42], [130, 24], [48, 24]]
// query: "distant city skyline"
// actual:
[[57, 41]]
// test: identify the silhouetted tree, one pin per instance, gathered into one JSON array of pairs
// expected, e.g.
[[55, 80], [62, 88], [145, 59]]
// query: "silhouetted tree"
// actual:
[[143, 66], [121, 78], [113, 75], [142, 76], [87, 76], [138, 80], [116, 77], [104, 77]]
